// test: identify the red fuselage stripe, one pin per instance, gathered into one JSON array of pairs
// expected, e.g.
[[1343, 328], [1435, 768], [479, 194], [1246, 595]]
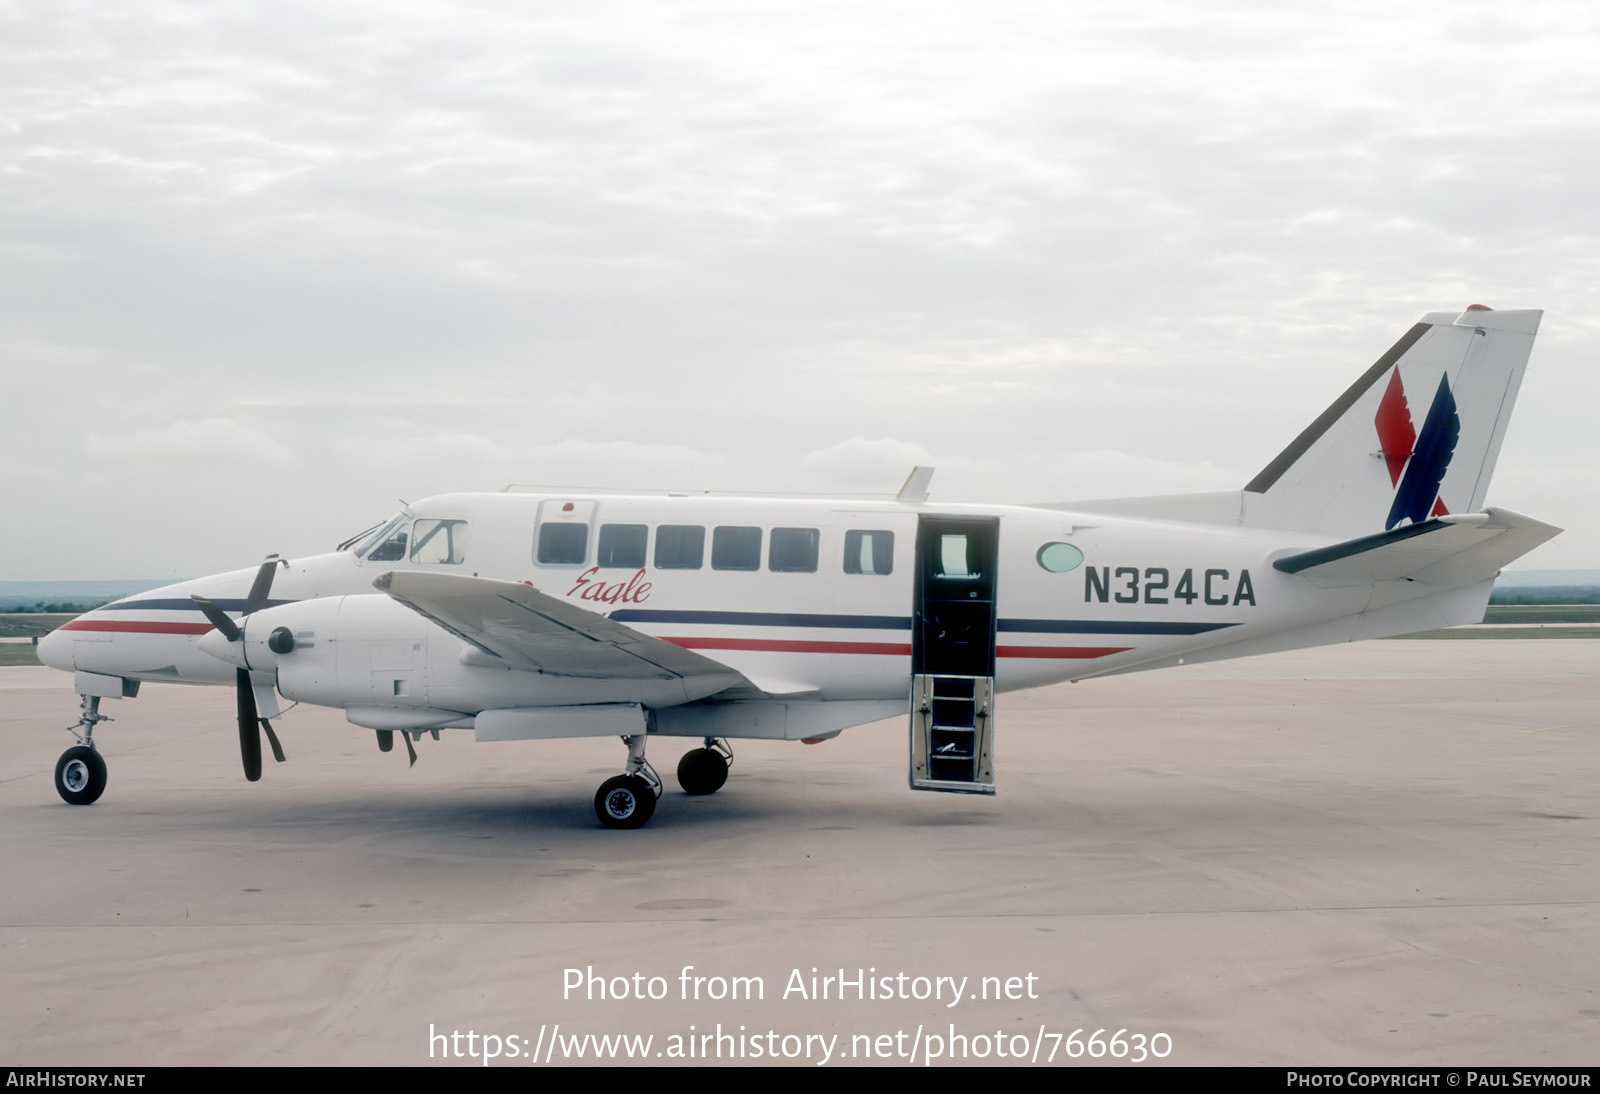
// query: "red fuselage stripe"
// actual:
[[1059, 651], [760, 645], [893, 649], [134, 626], [781, 645]]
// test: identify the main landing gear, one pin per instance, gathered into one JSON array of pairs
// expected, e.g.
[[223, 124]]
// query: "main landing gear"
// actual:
[[80, 772], [704, 770], [629, 800]]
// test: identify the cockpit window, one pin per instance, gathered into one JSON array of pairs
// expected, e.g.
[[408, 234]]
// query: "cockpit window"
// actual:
[[365, 542], [439, 541], [392, 548]]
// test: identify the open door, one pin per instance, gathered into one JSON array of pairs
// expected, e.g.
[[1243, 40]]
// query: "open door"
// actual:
[[952, 654]]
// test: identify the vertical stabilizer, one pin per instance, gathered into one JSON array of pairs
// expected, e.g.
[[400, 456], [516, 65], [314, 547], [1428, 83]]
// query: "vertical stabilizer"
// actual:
[[1415, 437]]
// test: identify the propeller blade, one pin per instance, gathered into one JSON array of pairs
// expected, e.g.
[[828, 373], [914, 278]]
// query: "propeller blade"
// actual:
[[272, 739], [261, 588], [249, 726], [410, 751], [385, 740], [217, 617]]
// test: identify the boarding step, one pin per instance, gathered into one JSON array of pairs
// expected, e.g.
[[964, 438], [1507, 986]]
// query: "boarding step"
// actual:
[[952, 734]]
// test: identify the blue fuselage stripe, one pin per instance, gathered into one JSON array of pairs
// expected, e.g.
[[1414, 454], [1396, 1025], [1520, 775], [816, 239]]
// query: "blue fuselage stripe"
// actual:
[[183, 604], [903, 622]]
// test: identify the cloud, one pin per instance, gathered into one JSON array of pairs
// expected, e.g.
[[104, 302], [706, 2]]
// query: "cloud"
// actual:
[[203, 442], [404, 448], [791, 245], [860, 464]]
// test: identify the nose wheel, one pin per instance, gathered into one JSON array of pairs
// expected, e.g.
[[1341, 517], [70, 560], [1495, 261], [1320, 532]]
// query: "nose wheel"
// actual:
[[80, 775]]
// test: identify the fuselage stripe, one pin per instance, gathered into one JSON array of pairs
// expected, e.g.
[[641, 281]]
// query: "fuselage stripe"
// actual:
[[770, 645], [227, 604], [1059, 651], [765, 619], [903, 623], [890, 649], [134, 626], [784, 645]]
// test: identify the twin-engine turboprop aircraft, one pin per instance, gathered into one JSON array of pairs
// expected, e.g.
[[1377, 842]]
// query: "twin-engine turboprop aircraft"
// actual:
[[538, 614]]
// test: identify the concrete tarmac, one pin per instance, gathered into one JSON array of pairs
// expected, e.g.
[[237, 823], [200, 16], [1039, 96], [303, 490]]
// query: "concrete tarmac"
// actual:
[[1386, 853]]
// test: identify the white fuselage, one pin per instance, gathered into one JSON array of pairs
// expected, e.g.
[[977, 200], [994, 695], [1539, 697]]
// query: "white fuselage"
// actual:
[[1146, 592]]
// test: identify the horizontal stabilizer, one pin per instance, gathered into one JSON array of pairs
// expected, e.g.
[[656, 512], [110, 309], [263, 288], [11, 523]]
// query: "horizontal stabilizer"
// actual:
[[1451, 550]]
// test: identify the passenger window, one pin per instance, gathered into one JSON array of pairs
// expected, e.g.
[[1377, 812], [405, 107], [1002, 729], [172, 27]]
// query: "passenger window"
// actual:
[[735, 548], [868, 552], [563, 544], [793, 550], [680, 547], [622, 546], [439, 541]]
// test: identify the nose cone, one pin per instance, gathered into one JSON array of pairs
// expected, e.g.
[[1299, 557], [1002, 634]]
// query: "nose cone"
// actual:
[[55, 650], [217, 645]]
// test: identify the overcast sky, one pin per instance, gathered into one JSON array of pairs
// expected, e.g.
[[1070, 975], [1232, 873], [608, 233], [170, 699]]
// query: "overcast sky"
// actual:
[[269, 267]]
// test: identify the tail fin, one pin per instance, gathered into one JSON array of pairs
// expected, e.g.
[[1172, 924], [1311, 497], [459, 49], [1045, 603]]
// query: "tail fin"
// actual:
[[1415, 437]]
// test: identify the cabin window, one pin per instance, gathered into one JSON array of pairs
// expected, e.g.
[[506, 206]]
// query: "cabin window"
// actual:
[[868, 552], [563, 544], [622, 546], [439, 541], [680, 547], [793, 550], [735, 548], [1058, 558]]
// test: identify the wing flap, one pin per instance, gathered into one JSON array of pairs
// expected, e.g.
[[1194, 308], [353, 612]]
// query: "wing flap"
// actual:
[[1452, 550]]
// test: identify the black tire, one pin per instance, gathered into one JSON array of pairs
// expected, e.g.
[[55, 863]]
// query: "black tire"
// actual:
[[702, 771], [80, 775], [626, 801]]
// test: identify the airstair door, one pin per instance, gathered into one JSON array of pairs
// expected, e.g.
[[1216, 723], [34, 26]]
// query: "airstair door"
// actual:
[[952, 654]]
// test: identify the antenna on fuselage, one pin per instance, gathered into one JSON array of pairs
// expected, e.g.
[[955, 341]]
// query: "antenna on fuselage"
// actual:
[[916, 487]]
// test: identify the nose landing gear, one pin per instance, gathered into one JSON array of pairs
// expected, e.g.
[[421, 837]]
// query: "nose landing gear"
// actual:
[[81, 772], [80, 775]]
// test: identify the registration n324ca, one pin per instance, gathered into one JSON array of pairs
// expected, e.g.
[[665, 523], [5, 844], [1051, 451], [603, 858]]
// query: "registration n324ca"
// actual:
[[537, 614]]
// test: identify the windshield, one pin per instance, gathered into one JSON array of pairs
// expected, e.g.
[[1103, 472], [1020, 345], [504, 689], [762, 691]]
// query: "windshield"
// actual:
[[378, 533]]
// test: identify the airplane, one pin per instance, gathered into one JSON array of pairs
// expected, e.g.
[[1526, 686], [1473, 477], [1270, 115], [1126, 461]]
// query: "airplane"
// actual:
[[534, 614]]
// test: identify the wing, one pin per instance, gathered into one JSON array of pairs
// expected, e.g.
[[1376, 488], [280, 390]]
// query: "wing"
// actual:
[[521, 628]]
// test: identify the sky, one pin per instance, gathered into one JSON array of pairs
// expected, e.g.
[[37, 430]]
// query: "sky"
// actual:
[[267, 268]]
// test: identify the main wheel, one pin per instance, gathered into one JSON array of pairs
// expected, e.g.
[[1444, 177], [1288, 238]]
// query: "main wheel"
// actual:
[[80, 775], [702, 771], [626, 801]]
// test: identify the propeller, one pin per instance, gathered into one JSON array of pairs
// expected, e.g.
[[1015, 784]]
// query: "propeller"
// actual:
[[251, 724]]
